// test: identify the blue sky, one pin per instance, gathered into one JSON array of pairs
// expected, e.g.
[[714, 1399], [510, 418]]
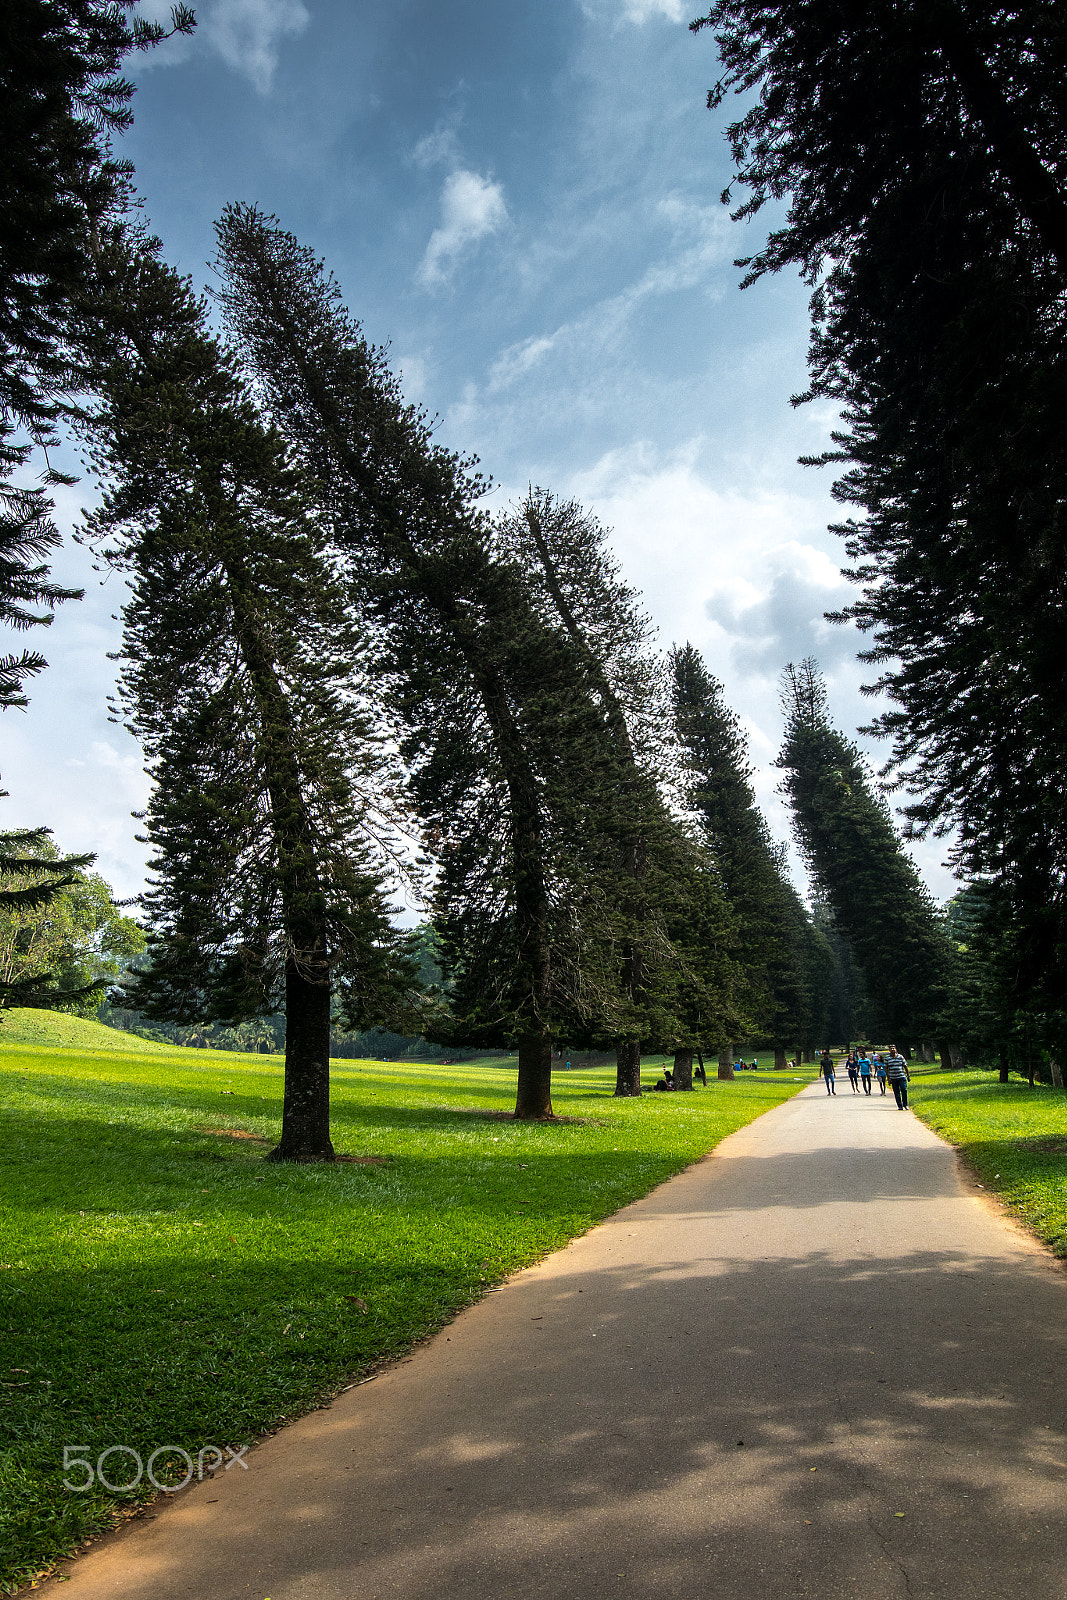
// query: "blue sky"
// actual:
[[522, 202]]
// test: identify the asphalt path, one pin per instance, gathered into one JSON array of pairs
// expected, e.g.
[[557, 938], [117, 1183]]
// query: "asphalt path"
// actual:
[[816, 1363]]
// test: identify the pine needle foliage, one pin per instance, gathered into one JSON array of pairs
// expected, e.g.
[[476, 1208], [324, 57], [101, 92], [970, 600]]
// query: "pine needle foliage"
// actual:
[[242, 675], [777, 948], [62, 94], [658, 878], [922, 149], [846, 835], [491, 700]]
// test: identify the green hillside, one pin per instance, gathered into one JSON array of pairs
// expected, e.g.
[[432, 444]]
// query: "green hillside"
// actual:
[[55, 1029]]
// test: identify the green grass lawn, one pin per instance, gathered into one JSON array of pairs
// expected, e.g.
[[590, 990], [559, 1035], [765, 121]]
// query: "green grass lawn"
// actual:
[[162, 1285], [1012, 1136]]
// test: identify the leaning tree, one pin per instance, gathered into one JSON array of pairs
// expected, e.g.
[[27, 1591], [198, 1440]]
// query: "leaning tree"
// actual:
[[673, 980], [861, 869], [242, 676], [491, 702]]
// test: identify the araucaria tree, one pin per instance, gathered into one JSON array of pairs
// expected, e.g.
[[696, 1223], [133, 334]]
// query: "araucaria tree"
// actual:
[[923, 151], [860, 868], [62, 94], [489, 697], [666, 904], [241, 677], [784, 960]]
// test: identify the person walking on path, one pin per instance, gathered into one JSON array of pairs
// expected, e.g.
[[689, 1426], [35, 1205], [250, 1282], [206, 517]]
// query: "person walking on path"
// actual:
[[879, 1072], [899, 1076], [826, 1067], [865, 1072], [853, 1072]]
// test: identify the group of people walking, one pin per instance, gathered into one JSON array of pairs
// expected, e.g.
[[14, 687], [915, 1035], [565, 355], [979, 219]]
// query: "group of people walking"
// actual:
[[864, 1069]]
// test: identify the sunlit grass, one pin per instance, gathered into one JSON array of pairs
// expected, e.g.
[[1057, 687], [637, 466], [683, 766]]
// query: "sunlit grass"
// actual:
[[161, 1284], [1014, 1138]]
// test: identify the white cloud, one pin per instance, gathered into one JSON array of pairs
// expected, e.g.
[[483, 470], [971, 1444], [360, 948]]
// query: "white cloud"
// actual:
[[518, 359], [637, 11], [247, 34], [471, 208], [441, 147], [644, 10], [699, 242]]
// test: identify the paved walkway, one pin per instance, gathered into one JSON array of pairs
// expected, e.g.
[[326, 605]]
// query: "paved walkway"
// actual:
[[730, 1389]]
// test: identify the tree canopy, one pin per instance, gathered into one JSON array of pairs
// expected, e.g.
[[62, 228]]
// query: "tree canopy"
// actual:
[[922, 150], [846, 835]]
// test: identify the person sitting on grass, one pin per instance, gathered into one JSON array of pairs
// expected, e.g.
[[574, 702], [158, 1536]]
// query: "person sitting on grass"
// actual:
[[666, 1082]]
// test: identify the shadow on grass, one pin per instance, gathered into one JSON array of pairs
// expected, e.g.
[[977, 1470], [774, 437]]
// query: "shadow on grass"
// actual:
[[747, 1426]]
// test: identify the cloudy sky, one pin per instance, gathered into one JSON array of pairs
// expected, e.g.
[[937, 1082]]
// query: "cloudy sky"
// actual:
[[521, 201]]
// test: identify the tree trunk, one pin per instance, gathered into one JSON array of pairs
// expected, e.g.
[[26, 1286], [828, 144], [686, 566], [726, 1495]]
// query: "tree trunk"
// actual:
[[306, 1101], [809, 1054], [1003, 1063], [726, 1064], [1056, 1071], [533, 1098], [683, 1069], [1032, 186], [306, 1098], [628, 1071], [944, 1050], [957, 1057], [779, 1058]]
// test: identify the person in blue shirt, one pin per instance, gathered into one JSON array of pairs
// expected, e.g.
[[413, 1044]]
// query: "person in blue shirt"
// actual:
[[879, 1072], [865, 1071]]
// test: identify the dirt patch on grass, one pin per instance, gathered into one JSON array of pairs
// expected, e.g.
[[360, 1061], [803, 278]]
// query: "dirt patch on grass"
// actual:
[[1052, 1145], [509, 1116], [234, 1133], [364, 1161]]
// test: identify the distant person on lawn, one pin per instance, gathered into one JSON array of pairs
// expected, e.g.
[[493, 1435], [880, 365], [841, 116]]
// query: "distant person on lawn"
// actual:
[[897, 1072], [826, 1067]]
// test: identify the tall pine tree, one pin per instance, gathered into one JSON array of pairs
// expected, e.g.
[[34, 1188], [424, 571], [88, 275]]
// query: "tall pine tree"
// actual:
[[923, 151], [782, 956], [860, 868], [242, 679], [660, 888], [482, 683]]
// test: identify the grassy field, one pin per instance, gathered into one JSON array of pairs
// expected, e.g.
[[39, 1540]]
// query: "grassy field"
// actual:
[[161, 1285], [1013, 1137]]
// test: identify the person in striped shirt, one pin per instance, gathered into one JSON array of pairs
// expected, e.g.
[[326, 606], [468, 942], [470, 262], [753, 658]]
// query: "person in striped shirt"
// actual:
[[896, 1069]]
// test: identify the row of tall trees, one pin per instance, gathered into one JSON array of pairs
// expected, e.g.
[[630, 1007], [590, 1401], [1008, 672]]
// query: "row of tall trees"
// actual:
[[922, 150], [319, 603], [333, 659]]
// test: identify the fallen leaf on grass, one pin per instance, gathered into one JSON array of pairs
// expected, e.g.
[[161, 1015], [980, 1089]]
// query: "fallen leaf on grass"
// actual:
[[357, 1300]]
